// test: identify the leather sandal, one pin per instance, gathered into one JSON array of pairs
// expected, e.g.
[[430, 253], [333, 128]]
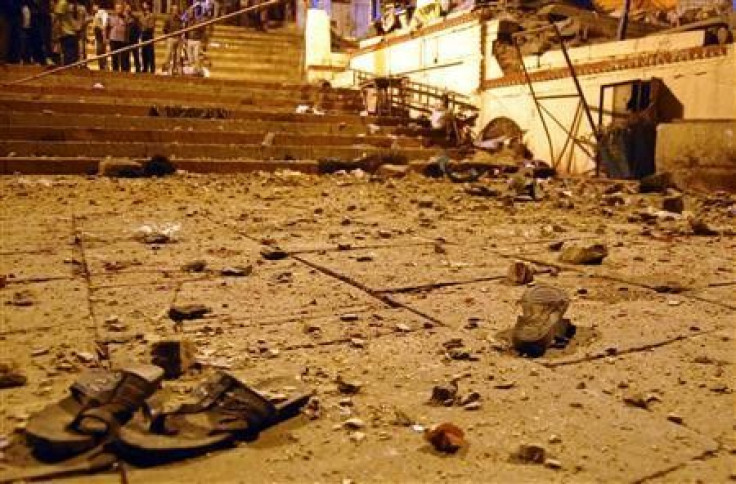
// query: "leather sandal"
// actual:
[[227, 411], [100, 401]]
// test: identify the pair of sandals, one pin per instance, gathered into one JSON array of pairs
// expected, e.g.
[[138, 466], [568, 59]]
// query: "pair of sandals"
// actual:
[[116, 414]]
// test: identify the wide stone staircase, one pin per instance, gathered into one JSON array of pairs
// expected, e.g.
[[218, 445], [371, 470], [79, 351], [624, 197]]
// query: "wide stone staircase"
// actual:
[[67, 122], [238, 53]]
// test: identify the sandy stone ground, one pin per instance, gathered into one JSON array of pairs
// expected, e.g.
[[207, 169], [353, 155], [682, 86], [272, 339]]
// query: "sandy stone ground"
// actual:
[[396, 286]]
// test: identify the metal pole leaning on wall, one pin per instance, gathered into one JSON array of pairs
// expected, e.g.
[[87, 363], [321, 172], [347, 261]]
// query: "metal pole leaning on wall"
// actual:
[[127, 48]]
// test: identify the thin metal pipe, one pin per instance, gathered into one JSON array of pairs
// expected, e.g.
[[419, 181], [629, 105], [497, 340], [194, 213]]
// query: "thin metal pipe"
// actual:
[[82, 62], [534, 97]]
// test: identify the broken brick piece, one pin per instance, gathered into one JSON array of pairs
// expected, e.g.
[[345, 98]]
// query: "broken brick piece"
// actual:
[[188, 311], [445, 437], [175, 356]]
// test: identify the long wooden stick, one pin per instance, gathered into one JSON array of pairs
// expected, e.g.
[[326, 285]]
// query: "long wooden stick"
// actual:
[[127, 48]]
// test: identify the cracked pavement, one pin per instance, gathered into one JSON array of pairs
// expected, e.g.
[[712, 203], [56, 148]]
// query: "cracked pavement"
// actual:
[[380, 276]]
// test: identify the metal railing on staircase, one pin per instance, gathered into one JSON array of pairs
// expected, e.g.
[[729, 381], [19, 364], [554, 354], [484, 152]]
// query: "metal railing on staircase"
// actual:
[[398, 95]]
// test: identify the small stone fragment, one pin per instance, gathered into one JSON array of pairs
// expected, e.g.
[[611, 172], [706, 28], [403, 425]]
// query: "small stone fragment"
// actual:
[[556, 246], [349, 317], [473, 406], [636, 399], [353, 423], [357, 436], [119, 168], [22, 298], [673, 203], [237, 271], [444, 394], [348, 387], [392, 171], [520, 273], [11, 376], [530, 454], [188, 312], [175, 356], [198, 265], [425, 202], [273, 253], [445, 437], [656, 183], [700, 227], [584, 255], [673, 417], [403, 328], [552, 463]]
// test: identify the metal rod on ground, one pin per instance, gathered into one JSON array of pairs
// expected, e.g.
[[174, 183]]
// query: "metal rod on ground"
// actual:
[[127, 48]]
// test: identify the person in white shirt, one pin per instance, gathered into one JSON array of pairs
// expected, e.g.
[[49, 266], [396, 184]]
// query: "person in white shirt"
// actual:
[[99, 22]]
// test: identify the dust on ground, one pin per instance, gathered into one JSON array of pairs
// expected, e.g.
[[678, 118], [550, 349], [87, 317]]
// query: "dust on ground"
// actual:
[[396, 286]]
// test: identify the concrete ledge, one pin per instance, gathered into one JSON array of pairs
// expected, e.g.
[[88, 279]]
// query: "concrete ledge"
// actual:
[[88, 166], [701, 155]]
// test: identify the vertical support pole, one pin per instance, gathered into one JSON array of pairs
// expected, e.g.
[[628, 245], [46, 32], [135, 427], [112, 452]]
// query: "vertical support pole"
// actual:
[[579, 89], [534, 97], [623, 22]]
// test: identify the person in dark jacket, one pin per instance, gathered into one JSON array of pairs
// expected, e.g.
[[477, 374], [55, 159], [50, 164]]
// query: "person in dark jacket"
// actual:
[[148, 24], [134, 35]]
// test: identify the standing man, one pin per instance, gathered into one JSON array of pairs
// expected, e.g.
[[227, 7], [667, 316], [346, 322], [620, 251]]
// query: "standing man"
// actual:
[[173, 44], [25, 40], [148, 24], [194, 43], [117, 35], [99, 21], [68, 40], [134, 35]]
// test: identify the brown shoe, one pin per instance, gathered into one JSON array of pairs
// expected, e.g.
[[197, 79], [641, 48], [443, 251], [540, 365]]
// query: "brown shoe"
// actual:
[[541, 322]]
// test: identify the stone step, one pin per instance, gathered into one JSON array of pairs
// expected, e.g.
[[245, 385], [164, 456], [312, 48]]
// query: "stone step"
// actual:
[[279, 58], [10, 73], [141, 109], [147, 84], [189, 125], [11, 148], [259, 98], [73, 134]]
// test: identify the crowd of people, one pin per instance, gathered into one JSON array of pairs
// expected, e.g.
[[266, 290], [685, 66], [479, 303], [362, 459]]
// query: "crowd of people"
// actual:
[[58, 32]]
